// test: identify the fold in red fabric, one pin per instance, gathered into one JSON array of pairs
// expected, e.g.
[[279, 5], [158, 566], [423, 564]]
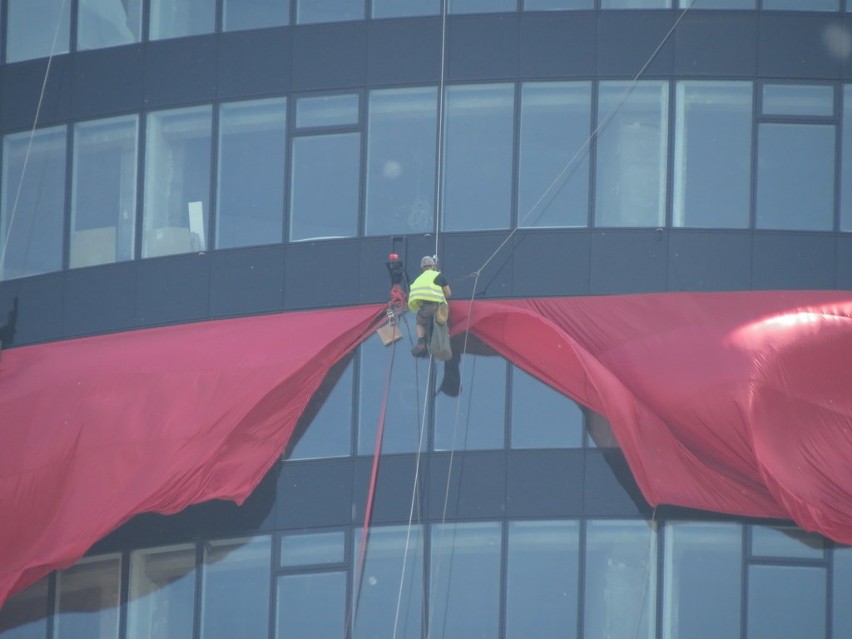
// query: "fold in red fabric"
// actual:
[[730, 402]]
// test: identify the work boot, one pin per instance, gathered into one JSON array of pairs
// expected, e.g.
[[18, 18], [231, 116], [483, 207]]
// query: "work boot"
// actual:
[[419, 349]]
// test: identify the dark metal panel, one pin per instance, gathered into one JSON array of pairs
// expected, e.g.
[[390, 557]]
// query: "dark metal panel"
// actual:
[[716, 43], [180, 71], [315, 494], [463, 254], [107, 81], [477, 486], [551, 263], [318, 274], [247, 281], [627, 39], [793, 261], [253, 63], [844, 263], [394, 489], [173, 289], [329, 56], [100, 299], [20, 88], [482, 47], [375, 280], [558, 45], [709, 260], [545, 484], [609, 488], [38, 316], [403, 51], [629, 261], [795, 45]]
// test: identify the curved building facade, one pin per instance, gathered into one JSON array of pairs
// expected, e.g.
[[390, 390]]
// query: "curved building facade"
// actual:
[[177, 161]]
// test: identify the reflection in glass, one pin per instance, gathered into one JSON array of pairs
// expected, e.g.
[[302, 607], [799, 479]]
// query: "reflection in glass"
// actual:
[[465, 576], [31, 224], [402, 126], [798, 99], [795, 177], [250, 200], [177, 181], [846, 161], [476, 419], [103, 191], [542, 579], [841, 620], [802, 5], [254, 14], [310, 11], [178, 18], [786, 602], [703, 564], [620, 579], [24, 614], [235, 589], [553, 171], [481, 6], [632, 149], [87, 599], [717, 4], [478, 157], [37, 29], [774, 541], [312, 548], [405, 8], [324, 186], [327, 110], [635, 4], [162, 593], [311, 606], [108, 23], [392, 575], [557, 5], [712, 162], [543, 417]]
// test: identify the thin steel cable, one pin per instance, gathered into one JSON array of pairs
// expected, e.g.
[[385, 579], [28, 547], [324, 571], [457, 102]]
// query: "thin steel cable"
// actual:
[[439, 178]]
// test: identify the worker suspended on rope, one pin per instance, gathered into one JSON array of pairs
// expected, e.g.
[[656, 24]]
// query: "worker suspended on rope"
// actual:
[[428, 294]]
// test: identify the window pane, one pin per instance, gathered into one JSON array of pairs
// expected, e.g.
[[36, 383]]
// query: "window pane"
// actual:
[[401, 161], [632, 148], [703, 564], [24, 615], [842, 591], [87, 599], [327, 110], [235, 589], [553, 174], [481, 6], [717, 4], [403, 8], [103, 192], [108, 23], [313, 548], [465, 577], [36, 29], [308, 11], [255, 14], [620, 579], [556, 5], [635, 4], [162, 592], [478, 157], [792, 99], [542, 579], [311, 606], [795, 177], [405, 401], [543, 417], [786, 602], [177, 18], [393, 575], [475, 419], [846, 151], [770, 541], [177, 181], [803, 5], [252, 143], [31, 219], [324, 186], [712, 167]]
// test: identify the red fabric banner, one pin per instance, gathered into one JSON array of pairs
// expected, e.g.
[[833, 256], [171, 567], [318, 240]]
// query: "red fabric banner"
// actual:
[[731, 402]]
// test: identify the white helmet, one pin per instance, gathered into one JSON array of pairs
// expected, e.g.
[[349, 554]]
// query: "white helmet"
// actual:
[[428, 260]]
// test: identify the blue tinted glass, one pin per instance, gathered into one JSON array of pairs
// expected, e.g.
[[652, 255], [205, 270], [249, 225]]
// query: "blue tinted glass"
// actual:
[[553, 178], [713, 134], [542, 417], [33, 189], [557, 5], [542, 579], [311, 606], [478, 157], [793, 99], [308, 11], [635, 4], [88, 599], [703, 580], [255, 14], [178, 18], [786, 602], [251, 173], [327, 110], [108, 23], [717, 4], [312, 548], [842, 592], [403, 8], [846, 162], [324, 186], [802, 5], [401, 161], [770, 541], [24, 614], [795, 177], [481, 6], [37, 29], [158, 575]]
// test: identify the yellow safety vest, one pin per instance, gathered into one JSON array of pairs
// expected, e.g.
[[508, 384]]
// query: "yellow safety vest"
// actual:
[[424, 289]]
